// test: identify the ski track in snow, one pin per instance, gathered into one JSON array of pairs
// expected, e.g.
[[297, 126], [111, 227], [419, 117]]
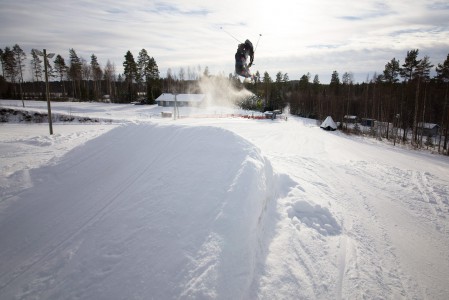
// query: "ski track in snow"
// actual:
[[393, 216], [324, 216]]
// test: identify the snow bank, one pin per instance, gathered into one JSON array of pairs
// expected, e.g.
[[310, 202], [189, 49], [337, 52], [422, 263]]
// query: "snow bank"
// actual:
[[141, 212]]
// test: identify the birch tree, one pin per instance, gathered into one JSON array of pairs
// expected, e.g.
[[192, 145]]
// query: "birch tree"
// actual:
[[109, 76]]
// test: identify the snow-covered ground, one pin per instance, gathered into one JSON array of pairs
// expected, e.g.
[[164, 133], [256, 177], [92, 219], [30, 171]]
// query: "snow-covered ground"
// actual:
[[144, 207]]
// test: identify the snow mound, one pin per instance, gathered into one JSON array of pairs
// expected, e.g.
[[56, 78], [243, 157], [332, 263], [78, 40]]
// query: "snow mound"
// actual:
[[141, 212]]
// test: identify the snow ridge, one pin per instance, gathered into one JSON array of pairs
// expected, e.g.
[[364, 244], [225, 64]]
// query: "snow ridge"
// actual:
[[84, 230]]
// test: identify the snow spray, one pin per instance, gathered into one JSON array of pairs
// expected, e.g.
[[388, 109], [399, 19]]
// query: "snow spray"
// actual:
[[220, 91]]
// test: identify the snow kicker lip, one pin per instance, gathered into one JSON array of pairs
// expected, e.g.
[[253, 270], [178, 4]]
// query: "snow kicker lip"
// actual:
[[189, 201]]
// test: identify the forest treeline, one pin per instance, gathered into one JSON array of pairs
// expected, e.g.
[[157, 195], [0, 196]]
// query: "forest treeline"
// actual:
[[402, 101], [403, 97]]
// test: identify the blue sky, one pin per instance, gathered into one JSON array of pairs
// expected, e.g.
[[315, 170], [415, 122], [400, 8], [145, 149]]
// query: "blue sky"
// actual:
[[298, 37]]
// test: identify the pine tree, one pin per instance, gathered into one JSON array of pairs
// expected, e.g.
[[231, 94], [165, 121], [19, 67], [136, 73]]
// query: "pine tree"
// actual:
[[408, 70], [153, 81], [10, 63], [334, 106], [423, 68], [390, 76], [421, 72], [130, 67], [130, 72], [36, 65], [267, 81], [443, 76], [11, 71], [278, 91], [97, 74], [303, 82], [142, 67], [61, 70], [443, 71], [19, 57], [392, 71], [75, 73], [335, 82]]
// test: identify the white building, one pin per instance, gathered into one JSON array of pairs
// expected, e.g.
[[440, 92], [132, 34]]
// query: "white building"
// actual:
[[167, 99]]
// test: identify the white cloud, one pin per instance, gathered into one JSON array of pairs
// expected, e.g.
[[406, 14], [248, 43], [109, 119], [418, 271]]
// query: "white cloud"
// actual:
[[297, 36]]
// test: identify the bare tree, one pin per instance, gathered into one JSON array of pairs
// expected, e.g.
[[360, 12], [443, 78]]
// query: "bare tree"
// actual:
[[109, 76]]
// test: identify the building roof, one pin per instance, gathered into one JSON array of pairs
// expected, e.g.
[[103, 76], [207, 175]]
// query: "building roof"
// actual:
[[427, 125], [182, 97]]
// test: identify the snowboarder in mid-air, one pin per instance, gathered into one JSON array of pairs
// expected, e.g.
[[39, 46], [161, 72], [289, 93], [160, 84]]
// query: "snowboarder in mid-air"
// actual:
[[243, 51]]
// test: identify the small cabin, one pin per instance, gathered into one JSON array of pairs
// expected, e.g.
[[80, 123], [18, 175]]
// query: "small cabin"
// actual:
[[350, 119], [367, 122], [428, 129]]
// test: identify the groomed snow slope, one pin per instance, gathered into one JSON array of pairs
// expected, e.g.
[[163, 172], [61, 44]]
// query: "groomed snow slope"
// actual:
[[366, 220], [352, 218], [141, 212]]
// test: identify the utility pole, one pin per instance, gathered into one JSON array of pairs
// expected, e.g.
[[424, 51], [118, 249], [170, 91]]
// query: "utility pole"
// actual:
[[50, 124], [47, 96]]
